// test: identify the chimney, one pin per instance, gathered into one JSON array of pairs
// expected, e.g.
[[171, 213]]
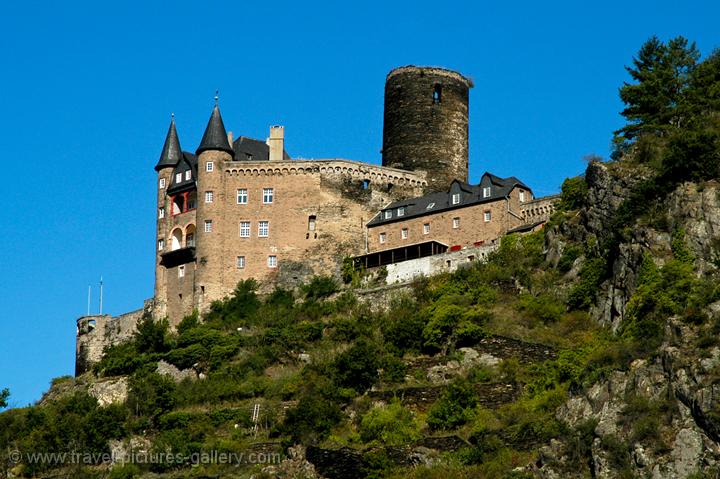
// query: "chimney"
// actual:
[[276, 142]]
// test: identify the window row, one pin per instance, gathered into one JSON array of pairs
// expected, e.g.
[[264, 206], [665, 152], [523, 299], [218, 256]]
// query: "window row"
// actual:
[[268, 195], [404, 233], [179, 176], [271, 261], [263, 229]]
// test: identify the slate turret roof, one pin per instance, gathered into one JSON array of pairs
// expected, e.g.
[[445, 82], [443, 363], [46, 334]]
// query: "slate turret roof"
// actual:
[[171, 152], [215, 137]]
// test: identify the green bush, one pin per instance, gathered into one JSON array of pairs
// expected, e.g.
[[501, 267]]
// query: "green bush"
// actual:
[[357, 368], [455, 406], [573, 193], [543, 307], [320, 287], [391, 425], [592, 273]]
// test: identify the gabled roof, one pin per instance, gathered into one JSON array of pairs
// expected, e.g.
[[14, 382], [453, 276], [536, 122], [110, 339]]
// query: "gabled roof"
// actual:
[[188, 163], [250, 149], [215, 136], [171, 152], [442, 200]]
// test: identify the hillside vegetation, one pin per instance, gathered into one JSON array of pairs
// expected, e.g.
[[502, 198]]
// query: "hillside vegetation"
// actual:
[[587, 349]]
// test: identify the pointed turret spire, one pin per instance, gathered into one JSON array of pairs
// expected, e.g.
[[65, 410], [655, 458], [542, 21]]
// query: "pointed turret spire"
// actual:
[[171, 152], [215, 137]]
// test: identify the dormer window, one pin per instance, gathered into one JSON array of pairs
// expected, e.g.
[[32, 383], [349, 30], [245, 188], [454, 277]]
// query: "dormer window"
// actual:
[[178, 177], [188, 175], [522, 196], [388, 214], [487, 191], [456, 198], [401, 211], [430, 206]]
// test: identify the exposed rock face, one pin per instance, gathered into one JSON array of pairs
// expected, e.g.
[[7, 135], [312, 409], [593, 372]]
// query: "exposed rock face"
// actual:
[[680, 381], [110, 391], [177, 375]]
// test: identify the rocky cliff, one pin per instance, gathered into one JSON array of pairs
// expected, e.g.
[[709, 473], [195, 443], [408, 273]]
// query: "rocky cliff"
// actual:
[[658, 417]]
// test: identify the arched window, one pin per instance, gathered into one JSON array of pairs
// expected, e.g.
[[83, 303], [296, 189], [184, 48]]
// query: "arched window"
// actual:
[[177, 239], [190, 236]]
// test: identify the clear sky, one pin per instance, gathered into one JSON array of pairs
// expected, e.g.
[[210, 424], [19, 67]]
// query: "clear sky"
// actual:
[[87, 89]]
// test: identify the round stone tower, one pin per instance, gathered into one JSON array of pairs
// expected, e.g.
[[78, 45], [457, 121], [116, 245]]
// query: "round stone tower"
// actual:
[[426, 123]]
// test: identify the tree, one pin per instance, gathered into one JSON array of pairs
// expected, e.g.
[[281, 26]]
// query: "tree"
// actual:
[[4, 394], [662, 72]]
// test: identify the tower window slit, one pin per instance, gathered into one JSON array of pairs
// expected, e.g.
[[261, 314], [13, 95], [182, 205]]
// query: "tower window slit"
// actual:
[[437, 93]]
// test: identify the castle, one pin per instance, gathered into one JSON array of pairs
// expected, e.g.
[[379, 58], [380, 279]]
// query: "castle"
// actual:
[[243, 208]]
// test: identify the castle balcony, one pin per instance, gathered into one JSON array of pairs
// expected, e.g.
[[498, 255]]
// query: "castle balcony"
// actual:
[[178, 256], [397, 255]]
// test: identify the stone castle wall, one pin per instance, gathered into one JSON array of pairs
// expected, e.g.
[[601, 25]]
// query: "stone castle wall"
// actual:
[[96, 332], [426, 123]]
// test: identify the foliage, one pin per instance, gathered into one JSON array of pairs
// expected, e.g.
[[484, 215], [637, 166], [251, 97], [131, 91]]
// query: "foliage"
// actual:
[[150, 395], [151, 335], [4, 395], [320, 287], [455, 406], [391, 425], [357, 367], [663, 73], [592, 273], [573, 193], [543, 307]]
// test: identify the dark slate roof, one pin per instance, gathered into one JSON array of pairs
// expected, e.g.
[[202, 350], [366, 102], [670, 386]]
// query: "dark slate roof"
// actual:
[[442, 200], [215, 137], [171, 152], [250, 149], [188, 163]]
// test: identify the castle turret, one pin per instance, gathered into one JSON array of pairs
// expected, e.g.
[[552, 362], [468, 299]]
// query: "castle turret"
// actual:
[[169, 157], [213, 152], [426, 123]]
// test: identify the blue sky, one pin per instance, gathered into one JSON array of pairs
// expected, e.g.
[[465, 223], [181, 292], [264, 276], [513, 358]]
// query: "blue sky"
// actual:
[[87, 89]]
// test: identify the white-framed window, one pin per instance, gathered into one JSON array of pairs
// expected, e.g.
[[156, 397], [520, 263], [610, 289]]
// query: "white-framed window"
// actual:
[[242, 196], [208, 226], [244, 229], [312, 222], [522, 196], [240, 262], [382, 238], [456, 223], [188, 175], [209, 196], [267, 196], [209, 166], [487, 216], [178, 178], [161, 245], [263, 229], [272, 261], [181, 271], [404, 233], [162, 183], [161, 213], [456, 198], [388, 214], [426, 228], [487, 190], [401, 211]]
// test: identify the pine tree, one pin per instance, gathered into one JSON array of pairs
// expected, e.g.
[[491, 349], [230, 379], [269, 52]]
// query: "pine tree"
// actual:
[[662, 72]]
